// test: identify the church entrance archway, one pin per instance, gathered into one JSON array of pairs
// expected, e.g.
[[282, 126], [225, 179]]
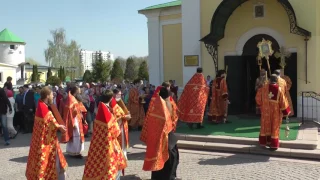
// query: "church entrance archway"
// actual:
[[243, 72]]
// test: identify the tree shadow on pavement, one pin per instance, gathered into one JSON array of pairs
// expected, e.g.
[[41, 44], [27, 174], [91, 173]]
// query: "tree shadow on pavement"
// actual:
[[22, 140], [234, 159], [22, 159], [72, 162], [136, 156], [130, 177], [75, 162]]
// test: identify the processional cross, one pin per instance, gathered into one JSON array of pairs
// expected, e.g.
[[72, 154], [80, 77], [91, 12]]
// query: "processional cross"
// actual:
[[282, 54]]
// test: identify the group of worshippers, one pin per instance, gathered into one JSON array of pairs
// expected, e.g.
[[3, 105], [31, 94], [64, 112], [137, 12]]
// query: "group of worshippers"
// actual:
[[107, 156], [272, 98]]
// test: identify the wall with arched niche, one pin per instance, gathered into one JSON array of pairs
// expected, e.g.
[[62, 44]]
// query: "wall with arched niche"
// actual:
[[276, 22]]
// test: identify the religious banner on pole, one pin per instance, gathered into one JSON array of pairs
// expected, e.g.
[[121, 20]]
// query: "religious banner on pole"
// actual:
[[265, 51]]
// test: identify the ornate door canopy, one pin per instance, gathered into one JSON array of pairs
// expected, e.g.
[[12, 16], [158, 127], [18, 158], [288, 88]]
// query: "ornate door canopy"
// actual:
[[222, 15]]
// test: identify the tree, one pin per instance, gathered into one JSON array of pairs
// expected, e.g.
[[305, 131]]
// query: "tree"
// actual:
[[49, 73], [122, 62], [101, 69], [131, 71], [35, 77], [31, 61], [139, 60], [62, 53], [143, 71], [61, 74], [116, 72], [53, 81], [87, 77]]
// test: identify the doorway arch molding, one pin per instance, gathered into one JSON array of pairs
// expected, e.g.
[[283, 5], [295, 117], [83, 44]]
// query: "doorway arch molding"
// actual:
[[222, 15], [255, 31]]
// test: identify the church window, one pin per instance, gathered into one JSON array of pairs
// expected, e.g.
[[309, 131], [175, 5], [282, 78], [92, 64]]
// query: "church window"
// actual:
[[259, 11], [12, 46]]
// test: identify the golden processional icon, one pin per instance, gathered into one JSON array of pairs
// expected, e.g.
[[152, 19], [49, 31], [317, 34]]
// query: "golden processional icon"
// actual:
[[265, 51]]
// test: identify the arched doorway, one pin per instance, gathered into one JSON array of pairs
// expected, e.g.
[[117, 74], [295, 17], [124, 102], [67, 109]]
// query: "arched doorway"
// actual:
[[249, 55], [243, 72]]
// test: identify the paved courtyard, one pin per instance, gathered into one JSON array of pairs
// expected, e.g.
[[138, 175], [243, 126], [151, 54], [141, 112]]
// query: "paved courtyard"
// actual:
[[194, 165]]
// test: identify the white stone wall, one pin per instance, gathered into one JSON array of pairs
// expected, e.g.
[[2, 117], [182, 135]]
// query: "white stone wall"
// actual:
[[12, 56], [191, 34], [5, 72]]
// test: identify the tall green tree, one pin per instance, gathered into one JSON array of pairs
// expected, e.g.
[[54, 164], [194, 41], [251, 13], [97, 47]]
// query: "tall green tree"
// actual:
[[143, 71], [49, 73], [116, 72], [61, 74], [62, 53], [101, 69], [122, 62], [131, 70], [35, 76], [87, 77]]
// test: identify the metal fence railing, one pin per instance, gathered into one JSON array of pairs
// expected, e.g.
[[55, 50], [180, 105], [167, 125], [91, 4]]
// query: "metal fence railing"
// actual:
[[309, 106]]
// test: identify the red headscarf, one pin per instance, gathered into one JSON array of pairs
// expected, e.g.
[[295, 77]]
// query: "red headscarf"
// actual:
[[9, 93]]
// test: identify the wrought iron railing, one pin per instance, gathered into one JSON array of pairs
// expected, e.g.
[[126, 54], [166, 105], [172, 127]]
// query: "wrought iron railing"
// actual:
[[309, 106]]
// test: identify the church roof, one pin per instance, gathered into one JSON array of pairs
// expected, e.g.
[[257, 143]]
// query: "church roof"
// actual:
[[164, 5], [8, 36]]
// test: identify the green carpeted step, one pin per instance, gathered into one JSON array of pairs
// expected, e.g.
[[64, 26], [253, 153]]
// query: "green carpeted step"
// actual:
[[248, 127]]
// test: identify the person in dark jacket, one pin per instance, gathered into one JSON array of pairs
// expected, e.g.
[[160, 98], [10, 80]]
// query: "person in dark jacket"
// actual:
[[28, 109], [4, 105]]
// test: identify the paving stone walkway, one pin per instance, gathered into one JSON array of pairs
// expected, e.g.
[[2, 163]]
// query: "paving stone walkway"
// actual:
[[194, 165]]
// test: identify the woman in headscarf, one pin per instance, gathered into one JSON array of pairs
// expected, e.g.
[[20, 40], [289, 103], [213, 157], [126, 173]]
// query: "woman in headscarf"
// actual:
[[12, 132]]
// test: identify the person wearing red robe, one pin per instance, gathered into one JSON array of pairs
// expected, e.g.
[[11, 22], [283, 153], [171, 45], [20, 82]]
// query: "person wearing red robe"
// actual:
[[274, 105], [135, 106], [162, 156], [74, 119], [46, 160], [105, 158], [219, 102], [192, 102], [122, 117]]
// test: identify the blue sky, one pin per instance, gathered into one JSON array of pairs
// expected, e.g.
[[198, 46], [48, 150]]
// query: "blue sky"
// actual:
[[108, 25]]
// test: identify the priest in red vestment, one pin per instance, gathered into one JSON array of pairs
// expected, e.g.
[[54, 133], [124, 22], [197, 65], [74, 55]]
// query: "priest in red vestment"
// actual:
[[274, 105], [46, 160], [192, 103], [105, 158], [219, 102], [74, 119], [162, 156], [135, 106]]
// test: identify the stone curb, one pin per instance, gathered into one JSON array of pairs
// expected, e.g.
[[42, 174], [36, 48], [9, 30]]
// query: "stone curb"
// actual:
[[251, 149], [248, 149], [296, 144]]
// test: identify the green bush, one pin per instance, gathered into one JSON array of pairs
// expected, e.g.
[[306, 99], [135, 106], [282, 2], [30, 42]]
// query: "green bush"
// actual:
[[53, 81]]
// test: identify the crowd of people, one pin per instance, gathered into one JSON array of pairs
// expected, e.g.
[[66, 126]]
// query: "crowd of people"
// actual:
[[109, 111], [104, 111]]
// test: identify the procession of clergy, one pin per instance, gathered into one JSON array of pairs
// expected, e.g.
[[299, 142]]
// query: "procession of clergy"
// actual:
[[107, 156]]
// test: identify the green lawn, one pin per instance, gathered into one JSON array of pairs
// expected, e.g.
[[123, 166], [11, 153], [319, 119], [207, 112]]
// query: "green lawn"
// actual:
[[248, 127]]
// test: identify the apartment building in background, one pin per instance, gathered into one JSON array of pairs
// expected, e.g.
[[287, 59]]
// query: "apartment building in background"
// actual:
[[88, 57]]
